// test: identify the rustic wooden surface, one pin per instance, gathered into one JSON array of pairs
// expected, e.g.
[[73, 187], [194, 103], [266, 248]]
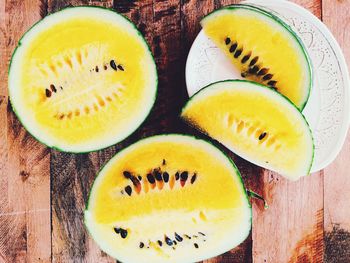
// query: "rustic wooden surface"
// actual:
[[43, 192]]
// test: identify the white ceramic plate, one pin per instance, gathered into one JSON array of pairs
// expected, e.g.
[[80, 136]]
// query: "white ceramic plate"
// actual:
[[328, 108]]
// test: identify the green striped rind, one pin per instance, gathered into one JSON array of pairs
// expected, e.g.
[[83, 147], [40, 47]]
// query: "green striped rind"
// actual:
[[287, 27], [198, 93], [43, 20], [238, 174]]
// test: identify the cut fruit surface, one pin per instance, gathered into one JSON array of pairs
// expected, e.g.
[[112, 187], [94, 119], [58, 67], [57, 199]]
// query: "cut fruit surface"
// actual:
[[168, 198], [263, 48], [256, 123], [82, 79]]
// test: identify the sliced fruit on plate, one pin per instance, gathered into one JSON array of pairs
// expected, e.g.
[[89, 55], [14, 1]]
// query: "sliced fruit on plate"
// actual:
[[168, 198], [263, 48], [82, 79], [255, 122]]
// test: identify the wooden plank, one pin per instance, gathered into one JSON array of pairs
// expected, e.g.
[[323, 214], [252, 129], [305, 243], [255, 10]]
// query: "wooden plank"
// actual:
[[24, 163], [192, 12], [3, 50], [291, 230], [72, 175], [337, 183], [336, 204], [314, 6], [166, 45]]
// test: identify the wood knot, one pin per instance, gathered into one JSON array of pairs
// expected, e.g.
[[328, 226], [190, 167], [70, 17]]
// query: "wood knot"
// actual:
[[24, 175]]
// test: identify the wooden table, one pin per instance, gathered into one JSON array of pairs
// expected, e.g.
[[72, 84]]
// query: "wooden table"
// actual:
[[43, 192]]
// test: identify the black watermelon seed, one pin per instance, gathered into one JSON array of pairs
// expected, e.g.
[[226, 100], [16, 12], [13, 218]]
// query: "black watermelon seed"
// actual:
[[262, 136], [53, 88], [253, 61], [175, 243], [140, 177], [165, 177], [178, 237], [238, 53], [233, 48], [195, 245], [263, 71], [48, 93], [193, 178], [96, 68], [128, 190], [117, 230], [184, 176], [61, 88], [142, 244], [127, 174], [113, 65], [243, 74], [105, 67], [245, 58], [201, 233], [134, 181], [164, 162], [160, 243], [121, 67], [177, 176], [227, 41], [150, 179], [123, 233], [187, 236], [267, 77], [254, 70], [168, 241], [157, 175], [272, 83]]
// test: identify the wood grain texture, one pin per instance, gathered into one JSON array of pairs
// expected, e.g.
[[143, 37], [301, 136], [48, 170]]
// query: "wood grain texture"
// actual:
[[25, 178], [314, 6], [291, 230], [72, 176], [3, 49], [337, 183], [190, 27]]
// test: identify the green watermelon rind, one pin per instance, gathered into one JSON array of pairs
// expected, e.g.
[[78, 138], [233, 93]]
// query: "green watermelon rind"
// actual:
[[141, 37], [284, 25], [262, 86], [238, 174]]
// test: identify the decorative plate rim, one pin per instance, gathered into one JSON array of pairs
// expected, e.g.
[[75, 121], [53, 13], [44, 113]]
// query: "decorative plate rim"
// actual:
[[338, 55]]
